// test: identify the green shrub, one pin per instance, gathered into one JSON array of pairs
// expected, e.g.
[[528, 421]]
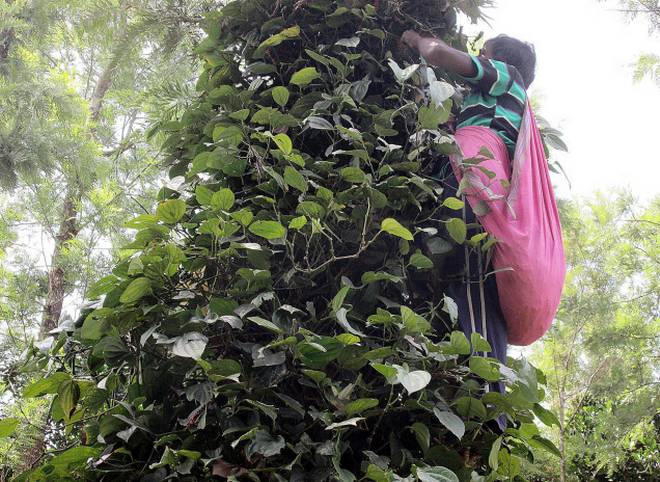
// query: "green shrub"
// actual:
[[281, 316]]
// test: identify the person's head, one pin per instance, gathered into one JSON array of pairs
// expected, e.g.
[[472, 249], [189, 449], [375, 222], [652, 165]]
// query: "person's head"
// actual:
[[514, 52]]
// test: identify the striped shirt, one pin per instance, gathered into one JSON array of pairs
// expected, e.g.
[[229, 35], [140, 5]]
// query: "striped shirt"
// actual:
[[497, 100]]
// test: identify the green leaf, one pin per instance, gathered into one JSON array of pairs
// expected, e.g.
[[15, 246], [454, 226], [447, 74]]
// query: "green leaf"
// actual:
[[457, 230], [243, 216], [267, 324], [510, 465], [351, 422], [203, 195], [265, 444], [486, 369], [275, 40], [142, 221], [102, 286], [298, 223], [450, 307], [528, 430], [318, 57], [413, 322], [470, 407], [412, 381], [479, 343], [440, 91], [315, 375], [419, 261], [228, 135], [474, 240], [450, 420], [281, 95], [543, 443], [223, 199], [222, 306], [389, 372], [378, 353], [190, 345], [46, 385], [75, 457], [224, 367], [171, 211], [319, 123], [294, 179], [360, 405], [545, 415], [268, 229], [8, 426], [377, 474], [436, 474], [137, 289], [348, 42], [348, 339], [460, 343], [422, 434], [338, 299], [68, 394], [371, 277], [305, 76], [240, 115], [453, 203], [94, 327], [393, 227], [400, 74], [189, 454], [249, 435], [353, 174], [431, 117], [284, 143], [310, 209], [493, 460]]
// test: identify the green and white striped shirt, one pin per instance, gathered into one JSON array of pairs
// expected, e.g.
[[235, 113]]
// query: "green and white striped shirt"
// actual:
[[497, 100]]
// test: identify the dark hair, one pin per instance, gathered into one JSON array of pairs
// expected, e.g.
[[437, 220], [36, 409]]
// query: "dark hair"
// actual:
[[517, 53]]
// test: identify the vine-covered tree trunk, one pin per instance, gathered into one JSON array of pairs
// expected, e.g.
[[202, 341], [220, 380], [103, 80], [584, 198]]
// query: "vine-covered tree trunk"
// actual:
[[274, 319]]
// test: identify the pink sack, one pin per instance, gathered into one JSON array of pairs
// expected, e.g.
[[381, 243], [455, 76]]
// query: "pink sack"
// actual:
[[518, 207]]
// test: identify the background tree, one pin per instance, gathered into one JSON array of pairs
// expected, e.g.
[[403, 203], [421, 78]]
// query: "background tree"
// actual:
[[81, 83], [649, 9], [599, 356], [648, 64]]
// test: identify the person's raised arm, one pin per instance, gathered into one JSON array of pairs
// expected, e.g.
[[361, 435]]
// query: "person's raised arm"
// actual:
[[438, 53]]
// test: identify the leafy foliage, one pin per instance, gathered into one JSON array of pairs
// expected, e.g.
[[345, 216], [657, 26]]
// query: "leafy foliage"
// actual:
[[638, 460], [599, 356], [275, 318]]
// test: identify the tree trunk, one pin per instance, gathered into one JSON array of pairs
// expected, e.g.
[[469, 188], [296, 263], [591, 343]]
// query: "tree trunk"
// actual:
[[57, 276], [69, 229], [101, 88]]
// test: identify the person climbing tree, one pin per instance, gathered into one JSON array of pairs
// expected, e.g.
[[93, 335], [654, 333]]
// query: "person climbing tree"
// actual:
[[504, 165]]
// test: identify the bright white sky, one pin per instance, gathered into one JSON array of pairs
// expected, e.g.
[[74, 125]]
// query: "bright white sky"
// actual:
[[585, 55]]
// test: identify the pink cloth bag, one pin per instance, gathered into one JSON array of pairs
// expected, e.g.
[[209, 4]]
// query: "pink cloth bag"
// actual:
[[521, 212]]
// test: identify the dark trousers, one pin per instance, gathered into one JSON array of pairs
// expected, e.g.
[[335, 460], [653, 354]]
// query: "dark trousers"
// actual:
[[478, 303]]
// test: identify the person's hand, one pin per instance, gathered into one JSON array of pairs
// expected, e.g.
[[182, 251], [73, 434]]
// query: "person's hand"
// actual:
[[410, 38]]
